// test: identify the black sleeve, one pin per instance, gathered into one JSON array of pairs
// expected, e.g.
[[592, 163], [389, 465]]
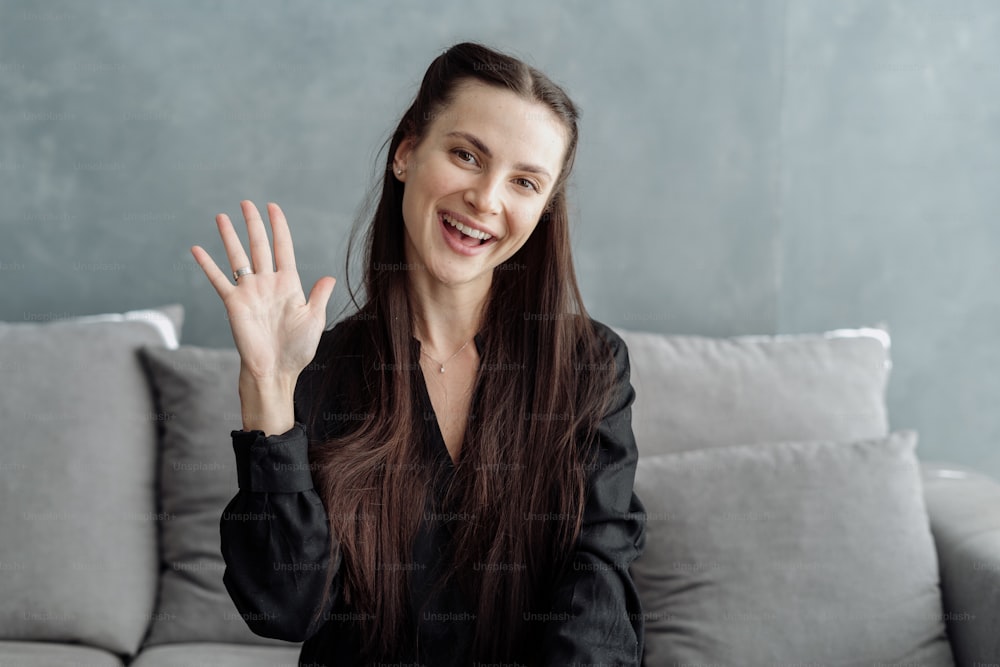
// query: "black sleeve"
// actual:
[[597, 617], [275, 536]]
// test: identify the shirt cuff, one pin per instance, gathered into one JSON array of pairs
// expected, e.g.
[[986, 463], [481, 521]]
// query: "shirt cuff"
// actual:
[[274, 463]]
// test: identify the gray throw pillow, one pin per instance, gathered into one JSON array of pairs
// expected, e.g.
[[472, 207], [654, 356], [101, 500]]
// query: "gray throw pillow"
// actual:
[[696, 391], [815, 553], [196, 391], [77, 471]]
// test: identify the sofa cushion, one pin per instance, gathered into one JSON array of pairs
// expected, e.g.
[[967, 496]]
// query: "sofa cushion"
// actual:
[[790, 553], [77, 471], [196, 391], [217, 655], [44, 654], [964, 508], [694, 391]]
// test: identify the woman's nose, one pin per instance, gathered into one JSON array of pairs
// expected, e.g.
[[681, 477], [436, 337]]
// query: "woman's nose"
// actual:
[[484, 195]]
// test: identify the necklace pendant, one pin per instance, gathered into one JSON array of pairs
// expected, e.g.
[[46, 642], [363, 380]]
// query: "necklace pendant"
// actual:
[[442, 369]]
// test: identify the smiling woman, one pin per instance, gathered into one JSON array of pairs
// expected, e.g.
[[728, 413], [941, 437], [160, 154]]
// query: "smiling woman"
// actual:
[[418, 498], [491, 156]]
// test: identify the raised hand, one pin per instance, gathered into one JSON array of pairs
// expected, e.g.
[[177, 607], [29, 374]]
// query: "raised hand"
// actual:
[[275, 329]]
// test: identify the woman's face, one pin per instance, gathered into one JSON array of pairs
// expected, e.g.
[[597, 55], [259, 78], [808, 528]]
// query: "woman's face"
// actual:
[[488, 161]]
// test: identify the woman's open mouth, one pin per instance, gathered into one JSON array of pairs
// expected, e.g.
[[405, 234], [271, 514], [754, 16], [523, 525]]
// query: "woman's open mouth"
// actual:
[[462, 239]]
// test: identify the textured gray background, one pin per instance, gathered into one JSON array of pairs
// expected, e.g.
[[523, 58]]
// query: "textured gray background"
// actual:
[[745, 167]]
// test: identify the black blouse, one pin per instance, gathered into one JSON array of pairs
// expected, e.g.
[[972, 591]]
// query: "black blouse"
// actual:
[[275, 542]]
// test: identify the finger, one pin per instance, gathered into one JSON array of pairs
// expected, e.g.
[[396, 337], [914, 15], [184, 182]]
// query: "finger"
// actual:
[[319, 295], [234, 247], [284, 254], [215, 275], [260, 248]]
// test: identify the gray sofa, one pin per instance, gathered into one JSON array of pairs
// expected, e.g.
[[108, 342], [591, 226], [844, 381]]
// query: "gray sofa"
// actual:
[[786, 524]]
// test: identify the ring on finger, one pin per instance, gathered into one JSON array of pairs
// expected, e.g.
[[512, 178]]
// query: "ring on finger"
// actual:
[[242, 271]]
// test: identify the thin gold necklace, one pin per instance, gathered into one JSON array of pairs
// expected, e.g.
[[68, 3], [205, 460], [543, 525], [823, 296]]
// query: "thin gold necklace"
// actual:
[[449, 358]]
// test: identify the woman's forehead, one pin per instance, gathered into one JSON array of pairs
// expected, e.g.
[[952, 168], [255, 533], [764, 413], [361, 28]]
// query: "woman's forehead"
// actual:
[[505, 122]]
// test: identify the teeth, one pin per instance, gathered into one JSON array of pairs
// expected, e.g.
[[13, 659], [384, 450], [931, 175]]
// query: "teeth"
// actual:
[[468, 231]]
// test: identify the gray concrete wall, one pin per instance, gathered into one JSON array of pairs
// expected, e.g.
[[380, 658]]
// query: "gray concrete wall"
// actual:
[[745, 167]]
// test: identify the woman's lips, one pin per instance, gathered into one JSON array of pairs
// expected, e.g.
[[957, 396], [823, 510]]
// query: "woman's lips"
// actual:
[[452, 235]]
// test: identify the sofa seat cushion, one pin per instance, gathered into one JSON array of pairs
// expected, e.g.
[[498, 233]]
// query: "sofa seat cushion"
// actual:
[[790, 553], [217, 655], [77, 478], [696, 391], [44, 654]]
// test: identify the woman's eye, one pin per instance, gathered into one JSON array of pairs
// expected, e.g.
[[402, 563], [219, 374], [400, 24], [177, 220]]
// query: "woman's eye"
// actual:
[[464, 155], [527, 183]]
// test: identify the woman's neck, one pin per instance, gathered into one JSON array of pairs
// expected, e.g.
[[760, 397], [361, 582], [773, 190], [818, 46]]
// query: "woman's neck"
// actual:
[[445, 317]]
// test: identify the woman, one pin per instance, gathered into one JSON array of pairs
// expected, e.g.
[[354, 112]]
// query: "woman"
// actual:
[[414, 497]]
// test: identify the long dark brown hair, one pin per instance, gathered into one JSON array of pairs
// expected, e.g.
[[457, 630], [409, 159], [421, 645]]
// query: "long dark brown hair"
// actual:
[[544, 378]]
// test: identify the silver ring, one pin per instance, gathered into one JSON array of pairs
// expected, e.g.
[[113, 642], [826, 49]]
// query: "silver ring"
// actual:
[[242, 271]]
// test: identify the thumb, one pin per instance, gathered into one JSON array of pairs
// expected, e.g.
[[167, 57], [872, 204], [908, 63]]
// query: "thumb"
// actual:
[[319, 296]]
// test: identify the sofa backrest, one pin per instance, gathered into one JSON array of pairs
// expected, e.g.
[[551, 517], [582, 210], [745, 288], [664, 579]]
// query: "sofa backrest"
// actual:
[[694, 392], [78, 451]]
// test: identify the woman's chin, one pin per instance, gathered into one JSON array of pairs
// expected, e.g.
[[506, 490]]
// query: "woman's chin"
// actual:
[[455, 278], [447, 269], [451, 275]]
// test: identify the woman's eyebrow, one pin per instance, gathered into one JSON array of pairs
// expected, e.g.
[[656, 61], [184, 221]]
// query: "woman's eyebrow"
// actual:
[[482, 148]]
